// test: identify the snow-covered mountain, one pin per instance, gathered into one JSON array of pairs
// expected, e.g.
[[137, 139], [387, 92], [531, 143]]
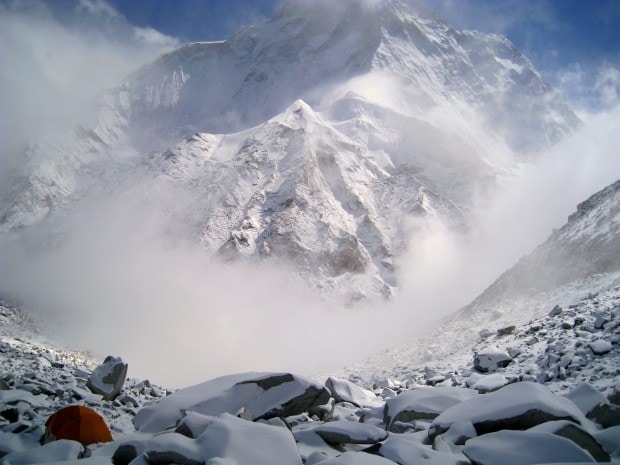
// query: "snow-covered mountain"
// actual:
[[313, 138], [569, 270]]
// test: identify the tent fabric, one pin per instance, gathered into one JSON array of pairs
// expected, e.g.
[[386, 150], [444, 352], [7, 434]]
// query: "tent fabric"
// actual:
[[78, 423]]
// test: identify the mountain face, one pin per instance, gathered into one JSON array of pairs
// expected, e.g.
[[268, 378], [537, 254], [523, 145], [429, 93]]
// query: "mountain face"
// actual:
[[314, 137], [587, 246], [573, 274]]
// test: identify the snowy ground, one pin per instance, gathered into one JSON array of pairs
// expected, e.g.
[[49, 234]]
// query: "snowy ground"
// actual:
[[517, 393]]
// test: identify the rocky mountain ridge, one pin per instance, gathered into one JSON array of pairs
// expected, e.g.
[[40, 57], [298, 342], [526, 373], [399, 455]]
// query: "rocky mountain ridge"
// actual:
[[324, 131]]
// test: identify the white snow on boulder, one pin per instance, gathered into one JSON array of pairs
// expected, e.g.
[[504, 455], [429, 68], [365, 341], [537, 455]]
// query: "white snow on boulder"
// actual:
[[491, 358], [490, 383], [226, 439], [523, 448], [261, 395], [349, 432], [406, 451], [357, 458], [15, 396], [108, 378], [516, 406], [234, 440], [346, 391], [601, 346], [575, 433], [423, 403], [56, 451], [586, 397]]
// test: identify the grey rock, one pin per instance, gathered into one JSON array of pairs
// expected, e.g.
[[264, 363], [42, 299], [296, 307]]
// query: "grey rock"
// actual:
[[108, 378], [555, 311], [576, 434], [491, 358], [423, 403], [516, 448], [348, 432], [506, 331], [126, 453], [606, 415], [517, 406], [265, 395], [346, 391], [601, 347]]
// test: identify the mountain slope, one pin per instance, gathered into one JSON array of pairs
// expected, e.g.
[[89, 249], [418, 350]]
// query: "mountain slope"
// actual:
[[575, 263], [313, 137]]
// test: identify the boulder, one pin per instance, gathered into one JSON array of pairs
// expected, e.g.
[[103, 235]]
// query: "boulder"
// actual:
[[517, 406], [577, 434], [491, 358], [606, 415], [233, 440], [108, 378], [227, 439], [490, 383], [348, 432], [260, 395], [555, 311], [357, 458], [601, 347], [523, 448], [346, 391], [506, 331], [609, 438], [57, 451], [127, 452], [193, 424], [174, 448], [586, 397], [423, 403], [406, 451]]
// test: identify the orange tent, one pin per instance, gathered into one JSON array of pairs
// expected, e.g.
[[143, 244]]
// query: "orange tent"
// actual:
[[78, 423]]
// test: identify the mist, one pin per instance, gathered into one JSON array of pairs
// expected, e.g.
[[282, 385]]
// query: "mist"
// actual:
[[57, 59], [119, 285], [445, 270]]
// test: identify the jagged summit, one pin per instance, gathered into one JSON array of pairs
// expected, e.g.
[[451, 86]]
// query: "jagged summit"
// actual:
[[309, 47], [313, 137]]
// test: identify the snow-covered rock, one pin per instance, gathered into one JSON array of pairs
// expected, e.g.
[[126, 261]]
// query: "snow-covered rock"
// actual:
[[407, 451], [108, 378], [601, 346], [523, 448], [491, 358], [490, 383], [577, 434], [263, 395], [516, 406], [586, 397], [57, 451], [357, 458], [423, 403], [348, 432], [346, 391]]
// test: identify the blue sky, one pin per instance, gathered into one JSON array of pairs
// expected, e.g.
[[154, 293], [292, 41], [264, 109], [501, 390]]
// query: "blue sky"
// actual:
[[573, 43]]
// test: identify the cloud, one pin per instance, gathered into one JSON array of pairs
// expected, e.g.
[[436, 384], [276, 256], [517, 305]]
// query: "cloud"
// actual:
[[591, 89], [57, 58], [446, 269], [152, 37], [118, 284], [98, 7]]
